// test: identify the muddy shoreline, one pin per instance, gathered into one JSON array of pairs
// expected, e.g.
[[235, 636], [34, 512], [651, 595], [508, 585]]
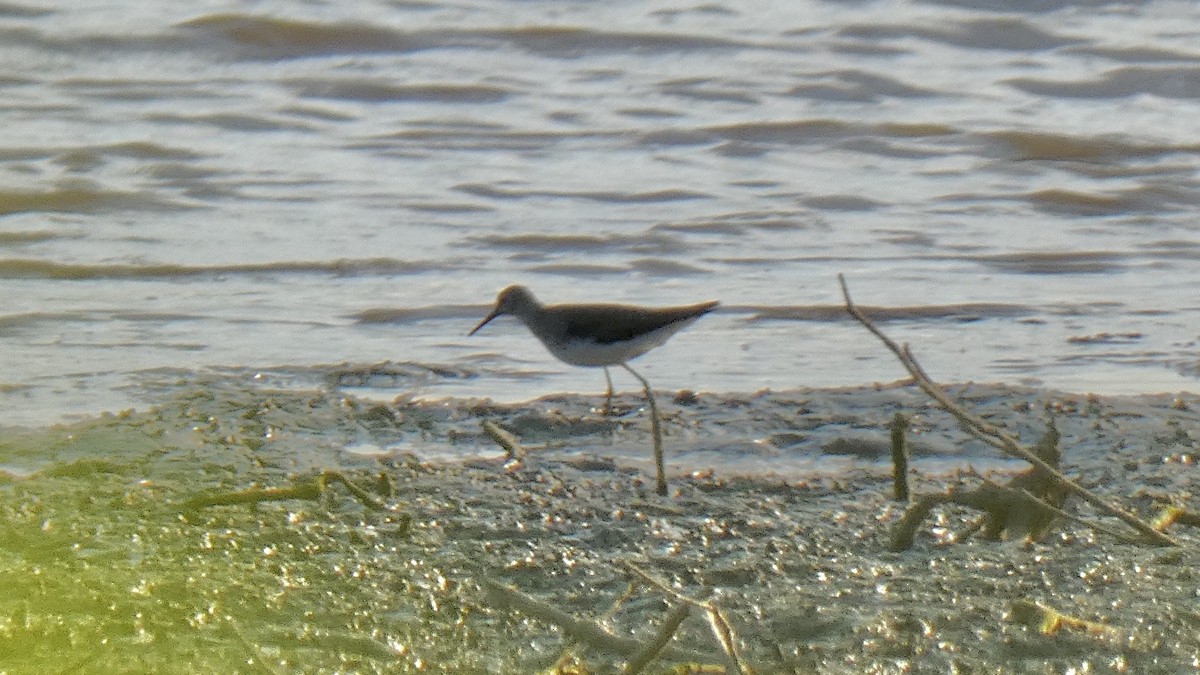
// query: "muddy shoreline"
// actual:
[[778, 514]]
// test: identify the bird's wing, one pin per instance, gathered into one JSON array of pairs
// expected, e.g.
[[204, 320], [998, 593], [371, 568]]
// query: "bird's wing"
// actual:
[[594, 323]]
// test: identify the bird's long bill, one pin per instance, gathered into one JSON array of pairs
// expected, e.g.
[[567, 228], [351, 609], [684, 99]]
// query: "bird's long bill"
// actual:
[[483, 323]]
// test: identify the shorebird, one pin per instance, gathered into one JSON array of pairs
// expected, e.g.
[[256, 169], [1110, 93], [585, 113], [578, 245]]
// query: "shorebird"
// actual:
[[596, 335], [601, 335]]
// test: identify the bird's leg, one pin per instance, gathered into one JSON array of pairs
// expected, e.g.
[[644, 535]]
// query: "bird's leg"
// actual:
[[655, 430], [607, 397]]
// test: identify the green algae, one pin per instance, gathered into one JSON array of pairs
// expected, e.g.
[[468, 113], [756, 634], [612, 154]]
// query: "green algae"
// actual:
[[104, 572]]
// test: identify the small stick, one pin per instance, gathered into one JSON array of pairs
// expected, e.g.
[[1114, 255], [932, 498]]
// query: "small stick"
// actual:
[[309, 489], [665, 632], [1176, 514], [716, 620], [1048, 621], [514, 452], [568, 651], [993, 435], [899, 458], [660, 477], [359, 493], [725, 636], [585, 632]]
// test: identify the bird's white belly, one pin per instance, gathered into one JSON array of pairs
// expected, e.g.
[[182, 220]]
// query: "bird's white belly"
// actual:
[[595, 354]]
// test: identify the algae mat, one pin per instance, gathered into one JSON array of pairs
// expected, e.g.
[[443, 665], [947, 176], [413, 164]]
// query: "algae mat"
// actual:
[[108, 564]]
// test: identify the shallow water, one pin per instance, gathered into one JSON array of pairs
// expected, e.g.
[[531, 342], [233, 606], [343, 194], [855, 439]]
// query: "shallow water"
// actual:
[[212, 186]]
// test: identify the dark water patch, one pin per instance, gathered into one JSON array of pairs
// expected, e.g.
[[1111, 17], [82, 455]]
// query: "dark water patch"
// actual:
[[1175, 82], [580, 269], [179, 174], [406, 315], [649, 243], [908, 238], [1171, 248], [447, 207], [676, 137], [29, 321], [149, 150], [477, 139], [12, 323], [889, 149], [1144, 199], [1025, 6], [80, 199], [742, 222], [706, 227], [613, 197], [1070, 309], [388, 374], [865, 45], [78, 161], [1031, 145], [1105, 338], [233, 121], [270, 37], [1079, 203], [878, 448], [15, 11], [128, 89], [739, 149], [1179, 169], [1001, 33], [32, 237], [320, 114], [842, 203], [41, 269], [572, 42], [649, 113], [785, 132], [665, 268], [708, 9], [856, 86], [444, 124], [1139, 54], [757, 184], [1058, 262], [9, 80], [964, 312], [795, 132], [92, 154], [705, 89], [385, 92]]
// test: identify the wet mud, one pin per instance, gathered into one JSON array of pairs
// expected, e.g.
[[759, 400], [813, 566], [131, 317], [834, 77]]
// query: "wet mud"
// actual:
[[119, 555]]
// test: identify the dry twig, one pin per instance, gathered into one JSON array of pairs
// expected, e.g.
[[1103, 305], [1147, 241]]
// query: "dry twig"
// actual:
[[312, 488], [514, 452], [585, 632], [1049, 621], [899, 458], [1176, 515], [993, 435], [662, 636], [716, 619]]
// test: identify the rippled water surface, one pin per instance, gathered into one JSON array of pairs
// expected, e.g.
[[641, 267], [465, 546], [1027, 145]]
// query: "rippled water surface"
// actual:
[[294, 185]]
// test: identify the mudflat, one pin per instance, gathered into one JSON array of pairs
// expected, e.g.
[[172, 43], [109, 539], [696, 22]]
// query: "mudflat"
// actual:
[[216, 532]]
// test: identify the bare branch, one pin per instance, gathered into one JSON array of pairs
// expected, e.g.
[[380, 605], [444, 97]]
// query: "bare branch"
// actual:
[[993, 435]]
